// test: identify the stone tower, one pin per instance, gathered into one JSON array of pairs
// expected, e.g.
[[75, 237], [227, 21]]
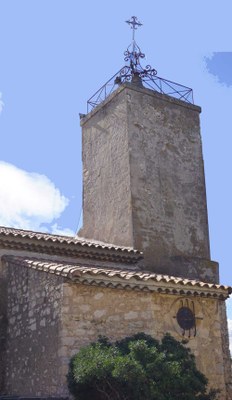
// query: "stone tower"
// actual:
[[144, 190], [143, 175]]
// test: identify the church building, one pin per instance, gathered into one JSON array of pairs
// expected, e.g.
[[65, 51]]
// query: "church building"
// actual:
[[141, 262]]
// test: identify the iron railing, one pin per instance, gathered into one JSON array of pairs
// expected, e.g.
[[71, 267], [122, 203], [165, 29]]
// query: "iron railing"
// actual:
[[148, 79], [136, 74]]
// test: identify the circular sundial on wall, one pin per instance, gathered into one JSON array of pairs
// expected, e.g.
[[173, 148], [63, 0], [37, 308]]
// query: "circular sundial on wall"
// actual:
[[185, 317]]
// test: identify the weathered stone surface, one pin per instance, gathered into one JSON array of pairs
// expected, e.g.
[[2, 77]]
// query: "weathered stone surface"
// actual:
[[225, 349], [106, 175], [32, 342], [93, 311], [51, 318], [144, 180], [3, 331]]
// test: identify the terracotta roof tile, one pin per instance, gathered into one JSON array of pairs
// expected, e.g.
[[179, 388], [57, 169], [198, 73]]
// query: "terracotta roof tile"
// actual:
[[69, 244], [62, 239], [123, 278]]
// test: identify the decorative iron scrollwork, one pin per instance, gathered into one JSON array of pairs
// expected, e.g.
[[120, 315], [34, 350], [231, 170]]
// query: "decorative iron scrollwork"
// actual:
[[133, 55], [138, 75]]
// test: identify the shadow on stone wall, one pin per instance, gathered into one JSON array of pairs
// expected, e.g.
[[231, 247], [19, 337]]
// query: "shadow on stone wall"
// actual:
[[3, 329]]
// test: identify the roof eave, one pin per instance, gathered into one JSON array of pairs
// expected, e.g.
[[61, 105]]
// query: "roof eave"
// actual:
[[153, 286], [65, 248]]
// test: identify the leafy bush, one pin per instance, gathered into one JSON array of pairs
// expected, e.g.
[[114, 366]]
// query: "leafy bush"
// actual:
[[137, 368]]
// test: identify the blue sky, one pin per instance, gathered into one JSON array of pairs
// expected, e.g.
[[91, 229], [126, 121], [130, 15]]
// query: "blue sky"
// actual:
[[55, 54]]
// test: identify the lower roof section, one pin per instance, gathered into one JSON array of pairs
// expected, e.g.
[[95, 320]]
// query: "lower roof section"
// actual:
[[121, 278]]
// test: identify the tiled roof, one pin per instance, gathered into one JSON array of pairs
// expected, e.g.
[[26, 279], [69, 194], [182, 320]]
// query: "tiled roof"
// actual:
[[121, 278], [76, 242], [63, 239]]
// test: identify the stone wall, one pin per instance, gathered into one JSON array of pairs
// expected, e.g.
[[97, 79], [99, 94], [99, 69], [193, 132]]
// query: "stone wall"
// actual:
[[106, 175], [50, 319], [3, 331], [225, 348], [34, 312], [169, 210], [143, 181], [167, 176], [88, 312]]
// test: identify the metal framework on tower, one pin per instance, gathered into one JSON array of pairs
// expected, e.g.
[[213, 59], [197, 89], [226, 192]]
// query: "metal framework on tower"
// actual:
[[141, 76]]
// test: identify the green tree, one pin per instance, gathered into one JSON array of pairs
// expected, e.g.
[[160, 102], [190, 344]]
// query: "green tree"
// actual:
[[137, 368]]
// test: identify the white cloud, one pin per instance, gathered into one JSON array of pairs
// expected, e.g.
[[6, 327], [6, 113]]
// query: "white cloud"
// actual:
[[57, 230], [1, 103], [28, 200]]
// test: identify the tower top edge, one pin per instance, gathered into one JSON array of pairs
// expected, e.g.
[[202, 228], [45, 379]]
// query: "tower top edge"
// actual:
[[142, 90]]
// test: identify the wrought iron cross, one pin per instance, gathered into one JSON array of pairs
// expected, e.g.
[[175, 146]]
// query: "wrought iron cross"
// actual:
[[134, 23]]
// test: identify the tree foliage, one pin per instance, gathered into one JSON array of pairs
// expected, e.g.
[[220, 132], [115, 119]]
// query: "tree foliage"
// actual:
[[137, 368]]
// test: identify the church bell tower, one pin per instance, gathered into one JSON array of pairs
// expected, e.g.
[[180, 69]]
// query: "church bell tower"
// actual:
[[143, 171]]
